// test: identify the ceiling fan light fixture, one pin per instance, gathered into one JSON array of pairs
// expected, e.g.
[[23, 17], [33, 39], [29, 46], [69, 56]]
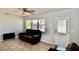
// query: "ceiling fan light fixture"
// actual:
[[26, 10]]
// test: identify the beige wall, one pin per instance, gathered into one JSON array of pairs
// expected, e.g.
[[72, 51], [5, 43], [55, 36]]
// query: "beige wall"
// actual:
[[10, 23]]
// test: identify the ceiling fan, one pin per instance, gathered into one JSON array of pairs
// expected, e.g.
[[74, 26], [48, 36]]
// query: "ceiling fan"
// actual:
[[26, 10]]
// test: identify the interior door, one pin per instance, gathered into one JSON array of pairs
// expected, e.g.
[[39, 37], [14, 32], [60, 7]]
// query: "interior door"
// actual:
[[62, 34]]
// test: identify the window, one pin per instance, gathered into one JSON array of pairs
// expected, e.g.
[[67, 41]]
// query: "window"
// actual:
[[28, 24], [36, 24], [61, 26]]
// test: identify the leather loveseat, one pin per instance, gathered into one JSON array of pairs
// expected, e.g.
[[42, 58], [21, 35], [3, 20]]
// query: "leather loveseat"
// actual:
[[31, 36]]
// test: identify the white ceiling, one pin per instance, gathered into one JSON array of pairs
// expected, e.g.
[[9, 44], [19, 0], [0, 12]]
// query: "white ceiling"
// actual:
[[17, 11]]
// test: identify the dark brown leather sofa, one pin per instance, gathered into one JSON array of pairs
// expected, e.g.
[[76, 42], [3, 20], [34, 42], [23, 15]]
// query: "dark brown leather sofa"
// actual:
[[72, 47], [31, 36]]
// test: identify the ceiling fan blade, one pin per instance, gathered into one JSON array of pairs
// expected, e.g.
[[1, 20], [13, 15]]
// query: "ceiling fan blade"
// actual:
[[32, 10]]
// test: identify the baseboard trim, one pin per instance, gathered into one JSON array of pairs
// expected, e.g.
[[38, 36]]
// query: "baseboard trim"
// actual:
[[1, 40], [48, 42]]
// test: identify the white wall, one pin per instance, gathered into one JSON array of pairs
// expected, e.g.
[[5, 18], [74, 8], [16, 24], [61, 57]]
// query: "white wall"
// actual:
[[72, 26], [10, 23]]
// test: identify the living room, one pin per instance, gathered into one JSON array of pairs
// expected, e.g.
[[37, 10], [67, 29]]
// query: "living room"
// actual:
[[13, 20]]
